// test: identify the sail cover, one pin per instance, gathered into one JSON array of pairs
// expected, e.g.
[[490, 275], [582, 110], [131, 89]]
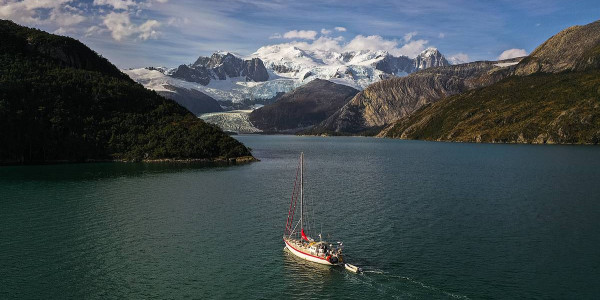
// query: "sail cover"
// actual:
[[304, 235]]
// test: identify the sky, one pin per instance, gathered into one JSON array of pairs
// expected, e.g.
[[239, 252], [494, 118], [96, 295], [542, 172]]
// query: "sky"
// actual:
[[139, 33]]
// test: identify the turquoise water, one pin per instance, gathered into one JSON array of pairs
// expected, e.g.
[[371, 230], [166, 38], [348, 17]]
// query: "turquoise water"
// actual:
[[425, 220]]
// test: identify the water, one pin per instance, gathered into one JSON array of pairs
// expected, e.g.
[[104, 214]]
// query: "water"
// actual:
[[425, 220]]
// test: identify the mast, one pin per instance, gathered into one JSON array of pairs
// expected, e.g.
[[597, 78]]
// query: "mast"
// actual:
[[301, 190]]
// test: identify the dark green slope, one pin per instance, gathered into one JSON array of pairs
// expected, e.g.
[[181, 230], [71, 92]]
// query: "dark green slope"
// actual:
[[542, 108], [60, 101], [553, 96]]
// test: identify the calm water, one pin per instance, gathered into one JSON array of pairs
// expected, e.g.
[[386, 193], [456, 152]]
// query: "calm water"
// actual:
[[425, 220]]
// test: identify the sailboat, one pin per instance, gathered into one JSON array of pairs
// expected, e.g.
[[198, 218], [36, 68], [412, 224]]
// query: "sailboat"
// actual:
[[297, 240]]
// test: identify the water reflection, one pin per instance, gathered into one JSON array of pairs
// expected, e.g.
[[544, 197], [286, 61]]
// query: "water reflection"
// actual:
[[308, 279], [97, 171]]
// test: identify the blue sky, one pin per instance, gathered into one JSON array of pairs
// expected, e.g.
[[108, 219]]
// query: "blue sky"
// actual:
[[135, 33]]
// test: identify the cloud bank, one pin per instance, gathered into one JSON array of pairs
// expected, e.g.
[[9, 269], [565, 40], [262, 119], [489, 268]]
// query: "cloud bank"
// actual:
[[512, 53], [300, 34], [459, 58], [410, 48], [120, 26]]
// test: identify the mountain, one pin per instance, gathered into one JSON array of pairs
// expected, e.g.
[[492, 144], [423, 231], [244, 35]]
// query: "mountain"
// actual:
[[553, 97], [302, 107], [540, 108], [387, 101], [195, 101], [220, 66], [232, 92], [576, 48], [60, 101], [403, 65], [430, 58], [240, 83], [353, 68]]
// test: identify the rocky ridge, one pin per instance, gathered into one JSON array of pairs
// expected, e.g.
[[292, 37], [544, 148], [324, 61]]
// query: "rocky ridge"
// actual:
[[277, 69], [387, 101], [576, 48], [220, 66], [553, 97]]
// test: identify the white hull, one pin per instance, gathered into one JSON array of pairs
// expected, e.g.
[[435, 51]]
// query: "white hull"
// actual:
[[352, 268], [306, 256]]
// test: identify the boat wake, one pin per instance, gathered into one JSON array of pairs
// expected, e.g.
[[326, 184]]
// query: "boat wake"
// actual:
[[429, 287], [392, 285], [378, 279], [373, 271]]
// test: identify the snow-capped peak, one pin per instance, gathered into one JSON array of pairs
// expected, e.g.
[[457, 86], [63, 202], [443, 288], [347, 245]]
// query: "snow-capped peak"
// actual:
[[225, 53], [430, 57], [431, 51], [273, 69]]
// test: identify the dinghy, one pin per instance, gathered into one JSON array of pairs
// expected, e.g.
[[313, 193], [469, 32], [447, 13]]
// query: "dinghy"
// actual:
[[352, 268]]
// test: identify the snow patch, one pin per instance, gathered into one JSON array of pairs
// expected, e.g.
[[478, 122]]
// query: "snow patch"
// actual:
[[506, 64]]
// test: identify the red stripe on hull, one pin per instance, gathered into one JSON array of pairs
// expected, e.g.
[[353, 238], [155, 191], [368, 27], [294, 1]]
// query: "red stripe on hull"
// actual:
[[321, 258]]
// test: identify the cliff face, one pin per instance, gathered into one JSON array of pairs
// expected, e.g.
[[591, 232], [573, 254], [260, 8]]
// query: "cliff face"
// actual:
[[389, 100], [255, 70], [553, 98], [220, 66], [303, 107], [429, 58]]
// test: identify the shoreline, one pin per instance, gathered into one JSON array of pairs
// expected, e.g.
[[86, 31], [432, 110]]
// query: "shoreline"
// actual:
[[216, 160]]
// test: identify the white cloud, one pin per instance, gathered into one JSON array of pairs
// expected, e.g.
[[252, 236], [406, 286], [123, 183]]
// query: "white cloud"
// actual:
[[409, 36], [121, 27], [94, 30], [340, 29], [178, 21], [62, 31], [65, 19], [376, 42], [323, 43], [41, 12], [459, 58], [512, 53], [361, 43], [300, 34], [371, 42], [325, 31], [116, 4], [275, 36], [411, 49], [328, 43]]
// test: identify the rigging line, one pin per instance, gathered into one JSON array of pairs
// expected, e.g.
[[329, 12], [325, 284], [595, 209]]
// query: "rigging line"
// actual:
[[290, 221], [293, 231], [302, 190], [314, 219], [314, 215], [294, 210]]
